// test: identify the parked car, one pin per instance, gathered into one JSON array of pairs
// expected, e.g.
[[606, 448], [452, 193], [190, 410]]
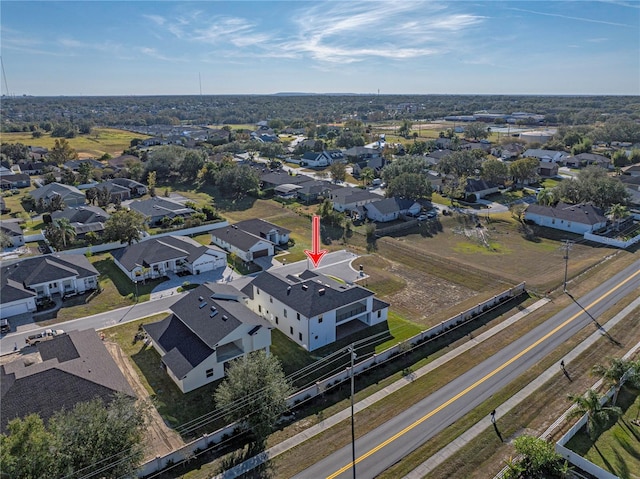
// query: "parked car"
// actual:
[[4, 326], [45, 335]]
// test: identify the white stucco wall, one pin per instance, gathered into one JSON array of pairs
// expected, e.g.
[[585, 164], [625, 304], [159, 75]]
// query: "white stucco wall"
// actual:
[[559, 224]]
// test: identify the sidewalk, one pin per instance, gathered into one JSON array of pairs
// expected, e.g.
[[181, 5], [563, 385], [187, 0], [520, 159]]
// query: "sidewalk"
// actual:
[[290, 443]]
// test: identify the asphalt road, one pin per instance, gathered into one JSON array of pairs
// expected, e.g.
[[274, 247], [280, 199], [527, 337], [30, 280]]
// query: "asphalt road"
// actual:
[[393, 440]]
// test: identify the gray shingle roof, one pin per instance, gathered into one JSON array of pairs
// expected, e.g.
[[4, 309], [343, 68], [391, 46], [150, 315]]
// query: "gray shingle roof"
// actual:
[[309, 301], [190, 334], [237, 237], [474, 185], [42, 269], [157, 206], [52, 189], [11, 228], [582, 213], [75, 367], [82, 214], [260, 227]]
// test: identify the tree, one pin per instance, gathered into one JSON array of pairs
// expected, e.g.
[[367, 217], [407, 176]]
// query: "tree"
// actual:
[[62, 152], [5, 240], [476, 130], [15, 151], [65, 230], [367, 175], [56, 203], [27, 450], [67, 177], [618, 212], [620, 159], [125, 226], [524, 169], [594, 185], [410, 185], [495, 171], [597, 414], [103, 197], [583, 147], [91, 195], [617, 373], [85, 172], [254, 392], [151, 183], [539, 459], [405, 128], [193, 162], [338, 171], [546, 197], [459, 163]]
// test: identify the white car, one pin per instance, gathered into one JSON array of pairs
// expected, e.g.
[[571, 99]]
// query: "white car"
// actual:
[[45, 335]]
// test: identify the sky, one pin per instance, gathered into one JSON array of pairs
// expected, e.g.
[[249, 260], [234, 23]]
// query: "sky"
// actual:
[[141, 47]]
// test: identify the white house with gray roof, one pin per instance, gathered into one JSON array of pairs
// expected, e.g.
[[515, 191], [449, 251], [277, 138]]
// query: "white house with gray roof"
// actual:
[[71, 195], [24, 282], [312, 309], [156, 257], [13, 231], [156, 208], [390, 209], [243, 244], [579, 219], [209, 327]]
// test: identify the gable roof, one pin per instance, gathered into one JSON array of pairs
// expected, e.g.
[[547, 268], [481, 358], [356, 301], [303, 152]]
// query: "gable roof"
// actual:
[[40, 269], [474, 185], [52, 189], [11, 228], [352, 195], [583, 213], [155, 250], [201, 320], [157, 206], [75, 367], [237, 237], [260, 227], [385, 206], [310, 293], [280, 178], [82, 214]]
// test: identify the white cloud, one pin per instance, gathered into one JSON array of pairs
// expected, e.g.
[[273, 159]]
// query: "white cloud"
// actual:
[[569, 17]]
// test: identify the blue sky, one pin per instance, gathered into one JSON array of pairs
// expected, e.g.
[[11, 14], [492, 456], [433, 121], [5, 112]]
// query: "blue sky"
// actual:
[[408, 46]]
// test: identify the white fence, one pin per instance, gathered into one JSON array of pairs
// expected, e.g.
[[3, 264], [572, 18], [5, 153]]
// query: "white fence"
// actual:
[[611, 241], [319, 387]]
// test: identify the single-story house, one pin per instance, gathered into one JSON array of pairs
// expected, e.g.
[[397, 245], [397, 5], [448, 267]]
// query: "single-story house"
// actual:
[[632, 185], [74, 165], [243, 244], [315, 159], [360, 153], [206, 329], [157, 208], [71, 368], [13, 231], [376, 164], [156, 257], [287, 190], [312, 309], [347, 199], [18, 180], [272, 179], [123, 162], [71, 195], [83, 218], [117, 193], [480, 188], [434, 157], [32, 167], [28, 280], [390, 209], [546, 155], [579, 219], [309, 191], [135, 188], [509, 151], [548, 169], [585, 159], [264, 229]]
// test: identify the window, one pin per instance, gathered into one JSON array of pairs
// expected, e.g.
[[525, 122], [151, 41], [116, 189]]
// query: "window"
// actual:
[[209, 373], [291, 330], [285, 312], [270, 299], [257, 291], [259, 308], [300, 336], [276, 320], [53, 285], [298, 315], [319, 319]]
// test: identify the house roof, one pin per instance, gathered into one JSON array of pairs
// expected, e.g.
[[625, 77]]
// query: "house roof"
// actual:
[[592, 158], [75, 367], [583, 213], [11, 228], [237, 237], [157, 206], [260, 227], [82, 214], [41, 269], [539, 153], [385, 206], [201, 320], [315, 187], [16, 178], [75, 164], [310, 293], [352, 195], [127, 183], [156, 250], [112, 187], [360, 151], [52, 189], [280, 178], [474, 185], [122, 161]]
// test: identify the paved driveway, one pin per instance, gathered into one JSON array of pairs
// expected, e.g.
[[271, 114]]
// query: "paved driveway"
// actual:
[[170, 287], [337, 263]]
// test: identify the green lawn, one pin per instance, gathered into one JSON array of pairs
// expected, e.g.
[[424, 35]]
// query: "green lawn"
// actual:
[[617, 450]]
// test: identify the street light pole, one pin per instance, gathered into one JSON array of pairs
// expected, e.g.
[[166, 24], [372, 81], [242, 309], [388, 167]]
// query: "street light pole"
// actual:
[[353, 431]]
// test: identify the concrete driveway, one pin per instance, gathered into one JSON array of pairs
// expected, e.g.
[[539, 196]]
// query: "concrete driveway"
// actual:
[[337, 263], [170, 287]]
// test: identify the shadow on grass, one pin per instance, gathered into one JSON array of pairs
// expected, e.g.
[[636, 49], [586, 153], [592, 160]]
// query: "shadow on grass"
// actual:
[[123, 284]]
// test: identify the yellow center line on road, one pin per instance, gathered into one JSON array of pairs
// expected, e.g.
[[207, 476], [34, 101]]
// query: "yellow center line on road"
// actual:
[[479, 381]]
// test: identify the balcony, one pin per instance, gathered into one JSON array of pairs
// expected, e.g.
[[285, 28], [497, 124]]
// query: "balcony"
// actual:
[[353, 310], [228, 351]]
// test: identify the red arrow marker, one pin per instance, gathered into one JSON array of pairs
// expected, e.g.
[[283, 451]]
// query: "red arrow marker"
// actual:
[[316, 254]]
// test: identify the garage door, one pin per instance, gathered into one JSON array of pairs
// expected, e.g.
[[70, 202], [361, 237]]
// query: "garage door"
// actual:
[[6, 311], [260, 253]]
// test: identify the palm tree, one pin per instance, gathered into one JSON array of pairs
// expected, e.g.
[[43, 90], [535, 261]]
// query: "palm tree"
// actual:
[[546, 197], [617, 373], [66, 231], [597, 414], [367, 175], [618, 212]]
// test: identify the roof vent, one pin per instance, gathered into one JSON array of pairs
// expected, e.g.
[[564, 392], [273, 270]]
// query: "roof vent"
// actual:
[[202, 305], [225, 317], [305, 287], [213, 308], [213, 313], [288, 290], [321, 291], [200, 298]]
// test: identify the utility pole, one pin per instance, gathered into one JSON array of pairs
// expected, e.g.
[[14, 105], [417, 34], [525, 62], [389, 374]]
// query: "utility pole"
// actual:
[[567, 247], [353, 431]]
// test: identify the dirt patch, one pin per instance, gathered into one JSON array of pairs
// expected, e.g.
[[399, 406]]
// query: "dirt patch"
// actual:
[[161, 440]]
